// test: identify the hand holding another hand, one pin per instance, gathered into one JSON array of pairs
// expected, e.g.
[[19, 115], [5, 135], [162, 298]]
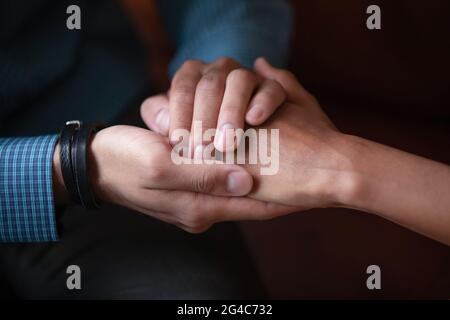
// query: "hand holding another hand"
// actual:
[[132, 167], [315, 163], [318, 166], [313, 158], [220, 95], [322, 167]]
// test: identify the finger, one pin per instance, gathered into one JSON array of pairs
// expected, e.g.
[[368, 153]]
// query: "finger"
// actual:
[[208, 97], [216, 179], [239, 88], [182, 96], [199, 210], [268, 98], [287, 79], [243, 208], [146, 201], [224, 63], [155, 113]]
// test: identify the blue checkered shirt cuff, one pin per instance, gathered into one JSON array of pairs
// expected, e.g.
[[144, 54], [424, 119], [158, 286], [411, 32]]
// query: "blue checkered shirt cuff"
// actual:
[[27, 211]]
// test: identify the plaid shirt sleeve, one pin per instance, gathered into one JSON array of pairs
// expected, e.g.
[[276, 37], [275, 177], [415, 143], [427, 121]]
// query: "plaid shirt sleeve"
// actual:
[[27, 212]]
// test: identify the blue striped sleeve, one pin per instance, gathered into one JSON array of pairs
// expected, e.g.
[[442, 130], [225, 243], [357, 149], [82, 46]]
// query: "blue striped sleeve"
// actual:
[[240, 29], [27, 212]]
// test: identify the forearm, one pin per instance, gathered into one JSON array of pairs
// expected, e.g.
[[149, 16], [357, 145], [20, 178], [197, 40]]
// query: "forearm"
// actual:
[[321, 167], [409, 190], [26, 193]]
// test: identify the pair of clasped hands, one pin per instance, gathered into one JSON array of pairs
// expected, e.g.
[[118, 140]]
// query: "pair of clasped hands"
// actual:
[[132, 166]]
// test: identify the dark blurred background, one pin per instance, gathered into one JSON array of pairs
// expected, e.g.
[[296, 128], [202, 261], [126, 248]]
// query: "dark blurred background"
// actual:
[[389, 85]]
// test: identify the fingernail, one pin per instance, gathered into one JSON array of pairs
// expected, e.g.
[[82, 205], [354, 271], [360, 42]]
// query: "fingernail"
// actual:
[[255, 113], [239, 183], [221, 142], [162, 120]]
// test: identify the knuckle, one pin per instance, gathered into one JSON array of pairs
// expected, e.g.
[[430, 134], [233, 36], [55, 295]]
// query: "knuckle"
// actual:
[[155, 172], [241, 75], [196, 230], [286, 75], [211, 81], [153, 167], [225, 62], [191, 64], [183, 85], [183, 95], [265, 98], [272, 93], [195, 220], [204, 183], [201, 229], [274, 86]]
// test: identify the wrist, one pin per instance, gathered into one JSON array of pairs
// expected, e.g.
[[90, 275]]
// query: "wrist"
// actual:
[[100, 158], [344, 184], [94, 159], [60, 193]]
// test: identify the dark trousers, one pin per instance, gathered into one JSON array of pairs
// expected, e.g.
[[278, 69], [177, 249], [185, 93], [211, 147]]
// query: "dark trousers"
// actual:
[[127, 255]]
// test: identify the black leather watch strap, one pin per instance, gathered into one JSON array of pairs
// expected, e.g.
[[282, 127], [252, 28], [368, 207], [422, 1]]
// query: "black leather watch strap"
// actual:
[[65, 142], [80, 164]]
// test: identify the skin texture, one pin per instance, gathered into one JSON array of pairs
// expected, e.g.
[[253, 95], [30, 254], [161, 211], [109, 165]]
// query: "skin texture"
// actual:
[[321, 167], [357, 173], [221, 95], [131, 167], [312, 155]]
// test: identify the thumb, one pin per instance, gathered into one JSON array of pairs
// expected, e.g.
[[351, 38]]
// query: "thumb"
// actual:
[[287, 79], [155, 113], [216, 179]]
